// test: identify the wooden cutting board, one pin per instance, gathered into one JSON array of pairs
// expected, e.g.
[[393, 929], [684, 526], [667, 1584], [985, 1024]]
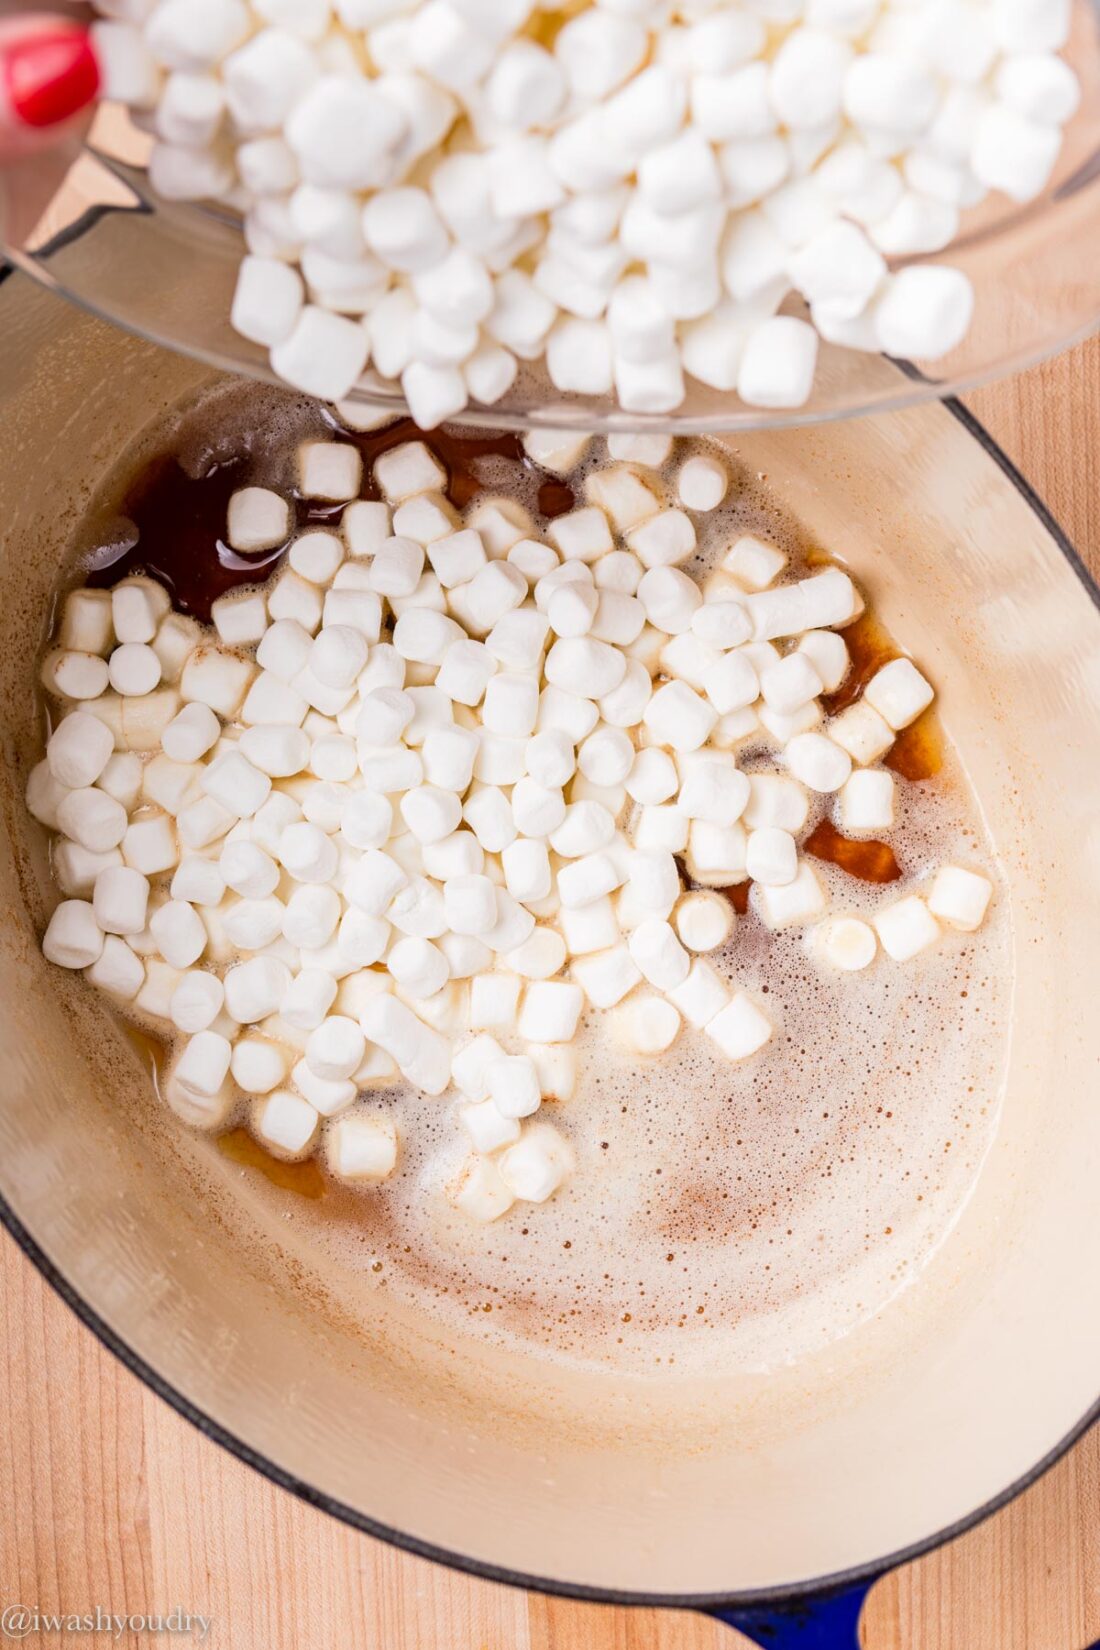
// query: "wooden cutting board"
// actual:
[[108, 1498]]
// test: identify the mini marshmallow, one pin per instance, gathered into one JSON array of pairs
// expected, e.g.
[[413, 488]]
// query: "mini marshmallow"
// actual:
[[203, 1066], [771, 857], [517, 639], [308, 999], [488, 813], [828, 653], [236, 784], [494, 999], [149, 845], [794, 903], [605, 977], [362, 1149], [663, 540], [73, 937], [78, 750], [753, 563], [335, 1048], [662, 828], [117, 970], [701, 483], [846, 943], [658, 954], [487, 1128], [93, 819], [217, 680], [121, 899], [587, 878], [606, 756], [678, 717], [958, 897], [741, 1028], [465, 671], [899, 693], [652, 777], [646, 1024], [285, 1122], [867, 801], [587, 827], [704, 920], [86, 675], [581, 665], [550, 758], [248, 870], [862, 732], [722, 623], [713, 789], [790, 684], [137, 607], [906, 928], [563, 712], [924, 311], [817, 762], [550, 1012], [479, 1191], [537, 1165], [670, 599], [239, 620], [470, 904], [701, 994], [514, 1086], [258, 520], [315, 556], [310, 916], [330, 470]]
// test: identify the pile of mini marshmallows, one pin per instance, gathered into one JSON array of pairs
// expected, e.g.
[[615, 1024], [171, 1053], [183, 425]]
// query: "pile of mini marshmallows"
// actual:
[[415, 810], [445, 188]]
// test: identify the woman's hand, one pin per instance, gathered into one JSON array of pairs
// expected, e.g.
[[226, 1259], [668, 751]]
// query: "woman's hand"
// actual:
[[48, 78]]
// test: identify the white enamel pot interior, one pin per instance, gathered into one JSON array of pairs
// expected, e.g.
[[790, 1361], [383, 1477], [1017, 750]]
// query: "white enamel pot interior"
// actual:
[[658, 1488]]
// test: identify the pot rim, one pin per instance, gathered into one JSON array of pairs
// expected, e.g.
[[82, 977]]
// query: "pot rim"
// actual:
[[788, 1592]]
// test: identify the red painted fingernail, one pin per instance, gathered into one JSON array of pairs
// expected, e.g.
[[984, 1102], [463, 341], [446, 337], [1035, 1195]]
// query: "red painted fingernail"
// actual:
[[49, 76]]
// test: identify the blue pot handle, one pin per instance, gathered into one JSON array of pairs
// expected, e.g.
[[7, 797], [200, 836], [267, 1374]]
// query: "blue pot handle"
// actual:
[[829, 1623]]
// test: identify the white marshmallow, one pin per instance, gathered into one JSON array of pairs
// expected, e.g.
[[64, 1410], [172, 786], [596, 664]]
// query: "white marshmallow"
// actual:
[[310, 917], [258, 520], [924, 311], [906, 928], [846, 943], [741, 1028], [958, 897], [479, 1191], [771, 857], [73, 937], [470, 904], [536, 1166], [794, 903], [670, 599], [713, 789], [704, 920], [78, 750], [701, 994], [606, 976], [862, 732], [778, 363], [899, 693], [584, 666], [199, 881], [362, 1149], [93, 819], [514, 1085], [678, 717], [867, 801], [659, 954]]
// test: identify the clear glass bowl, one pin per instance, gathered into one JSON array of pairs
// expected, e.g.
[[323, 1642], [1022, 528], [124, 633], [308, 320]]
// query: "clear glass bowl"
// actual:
[[167, 273]]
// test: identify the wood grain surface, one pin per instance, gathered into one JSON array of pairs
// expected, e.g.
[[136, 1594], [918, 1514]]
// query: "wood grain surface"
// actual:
[[108, 1498]]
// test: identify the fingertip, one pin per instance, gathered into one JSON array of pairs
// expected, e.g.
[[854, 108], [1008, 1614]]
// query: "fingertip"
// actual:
[[48, 74]]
